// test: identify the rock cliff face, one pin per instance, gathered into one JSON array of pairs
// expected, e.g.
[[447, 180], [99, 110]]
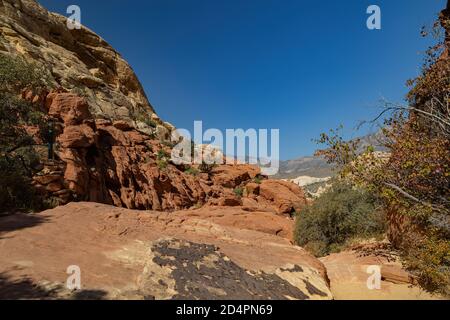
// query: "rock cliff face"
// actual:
[[77, 60], [111, 162], [104, 153]]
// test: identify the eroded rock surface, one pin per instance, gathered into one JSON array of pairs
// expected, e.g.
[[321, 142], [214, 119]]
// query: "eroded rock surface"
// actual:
[[126, 254], [77, 59], [349, 273], [112, 162]]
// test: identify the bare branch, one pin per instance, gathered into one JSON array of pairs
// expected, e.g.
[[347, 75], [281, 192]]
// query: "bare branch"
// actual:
[[404, 193]]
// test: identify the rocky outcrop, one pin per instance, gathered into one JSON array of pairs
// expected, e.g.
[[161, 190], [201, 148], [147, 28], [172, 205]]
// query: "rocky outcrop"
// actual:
[[125, 254], [111, 146], [77, 60], [112, 162], [350, 271], [286, 197]]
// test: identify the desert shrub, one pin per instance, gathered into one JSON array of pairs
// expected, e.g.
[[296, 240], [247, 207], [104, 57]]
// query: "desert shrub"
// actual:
[[429, 259], [239, 191], [18, 159], [340, 214], [16, 192], [258, 179], [19, 75], [162, 155], [162, 164], [192, 171], [142, 117], [81, 92]]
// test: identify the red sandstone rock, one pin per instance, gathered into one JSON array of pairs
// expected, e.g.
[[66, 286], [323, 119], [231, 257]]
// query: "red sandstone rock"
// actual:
[[54, 187], [349, 273], [81, 136], [231, 176], [68, 107], [251, 189], [113, 163], [285, 196], [46, 179], [114, 247], [396, 274], [123, 125]]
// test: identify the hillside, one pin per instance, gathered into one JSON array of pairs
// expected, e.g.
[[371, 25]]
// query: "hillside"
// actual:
[[317, 167]]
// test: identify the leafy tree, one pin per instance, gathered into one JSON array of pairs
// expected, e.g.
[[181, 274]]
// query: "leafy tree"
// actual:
[[18, 159], [414, 181]]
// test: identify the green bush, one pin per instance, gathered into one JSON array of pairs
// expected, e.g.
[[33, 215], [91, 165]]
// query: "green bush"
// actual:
[[162, 155], [429, 260], [258, 180], [239, 191], [16, 192], [340, 214], [192, 171], [162, 164], [18, 159]]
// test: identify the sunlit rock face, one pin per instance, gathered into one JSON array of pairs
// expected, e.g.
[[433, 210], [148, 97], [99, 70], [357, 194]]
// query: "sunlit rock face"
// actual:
[[78, 60], [126, 254]]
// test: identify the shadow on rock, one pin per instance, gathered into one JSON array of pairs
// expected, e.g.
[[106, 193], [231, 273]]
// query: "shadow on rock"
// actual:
[[19, 221], [26, 289]]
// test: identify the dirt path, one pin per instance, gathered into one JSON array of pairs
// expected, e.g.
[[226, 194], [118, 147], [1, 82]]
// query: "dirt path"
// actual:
[[348, 274]]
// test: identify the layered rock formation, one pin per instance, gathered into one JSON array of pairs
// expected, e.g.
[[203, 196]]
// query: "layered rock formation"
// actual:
[[125, 254], [111, 146], [77, 60], [349, 273], [111, 162], [114, 163]]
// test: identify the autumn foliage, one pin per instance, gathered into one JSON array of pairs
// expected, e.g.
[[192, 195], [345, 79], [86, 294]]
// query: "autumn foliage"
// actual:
[[412, 179]]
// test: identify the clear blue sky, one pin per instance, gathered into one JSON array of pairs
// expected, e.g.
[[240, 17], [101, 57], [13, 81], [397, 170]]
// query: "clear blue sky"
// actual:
[[302, 66]]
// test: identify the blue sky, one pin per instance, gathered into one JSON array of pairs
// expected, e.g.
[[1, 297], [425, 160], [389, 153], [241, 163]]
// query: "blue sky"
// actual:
[[301, 66]]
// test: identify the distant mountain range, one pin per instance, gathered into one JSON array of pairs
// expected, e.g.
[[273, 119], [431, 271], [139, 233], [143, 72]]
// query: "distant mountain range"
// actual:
[[317, 167]]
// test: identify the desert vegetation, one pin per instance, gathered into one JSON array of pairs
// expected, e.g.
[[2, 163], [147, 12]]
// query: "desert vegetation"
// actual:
[[410, 183], [18, 156], [341, 214]]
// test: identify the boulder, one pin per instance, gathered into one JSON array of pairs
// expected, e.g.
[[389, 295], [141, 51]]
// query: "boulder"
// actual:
[[231, 176], [349, 272], [251, 189], [396, 274], [285, 197]]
